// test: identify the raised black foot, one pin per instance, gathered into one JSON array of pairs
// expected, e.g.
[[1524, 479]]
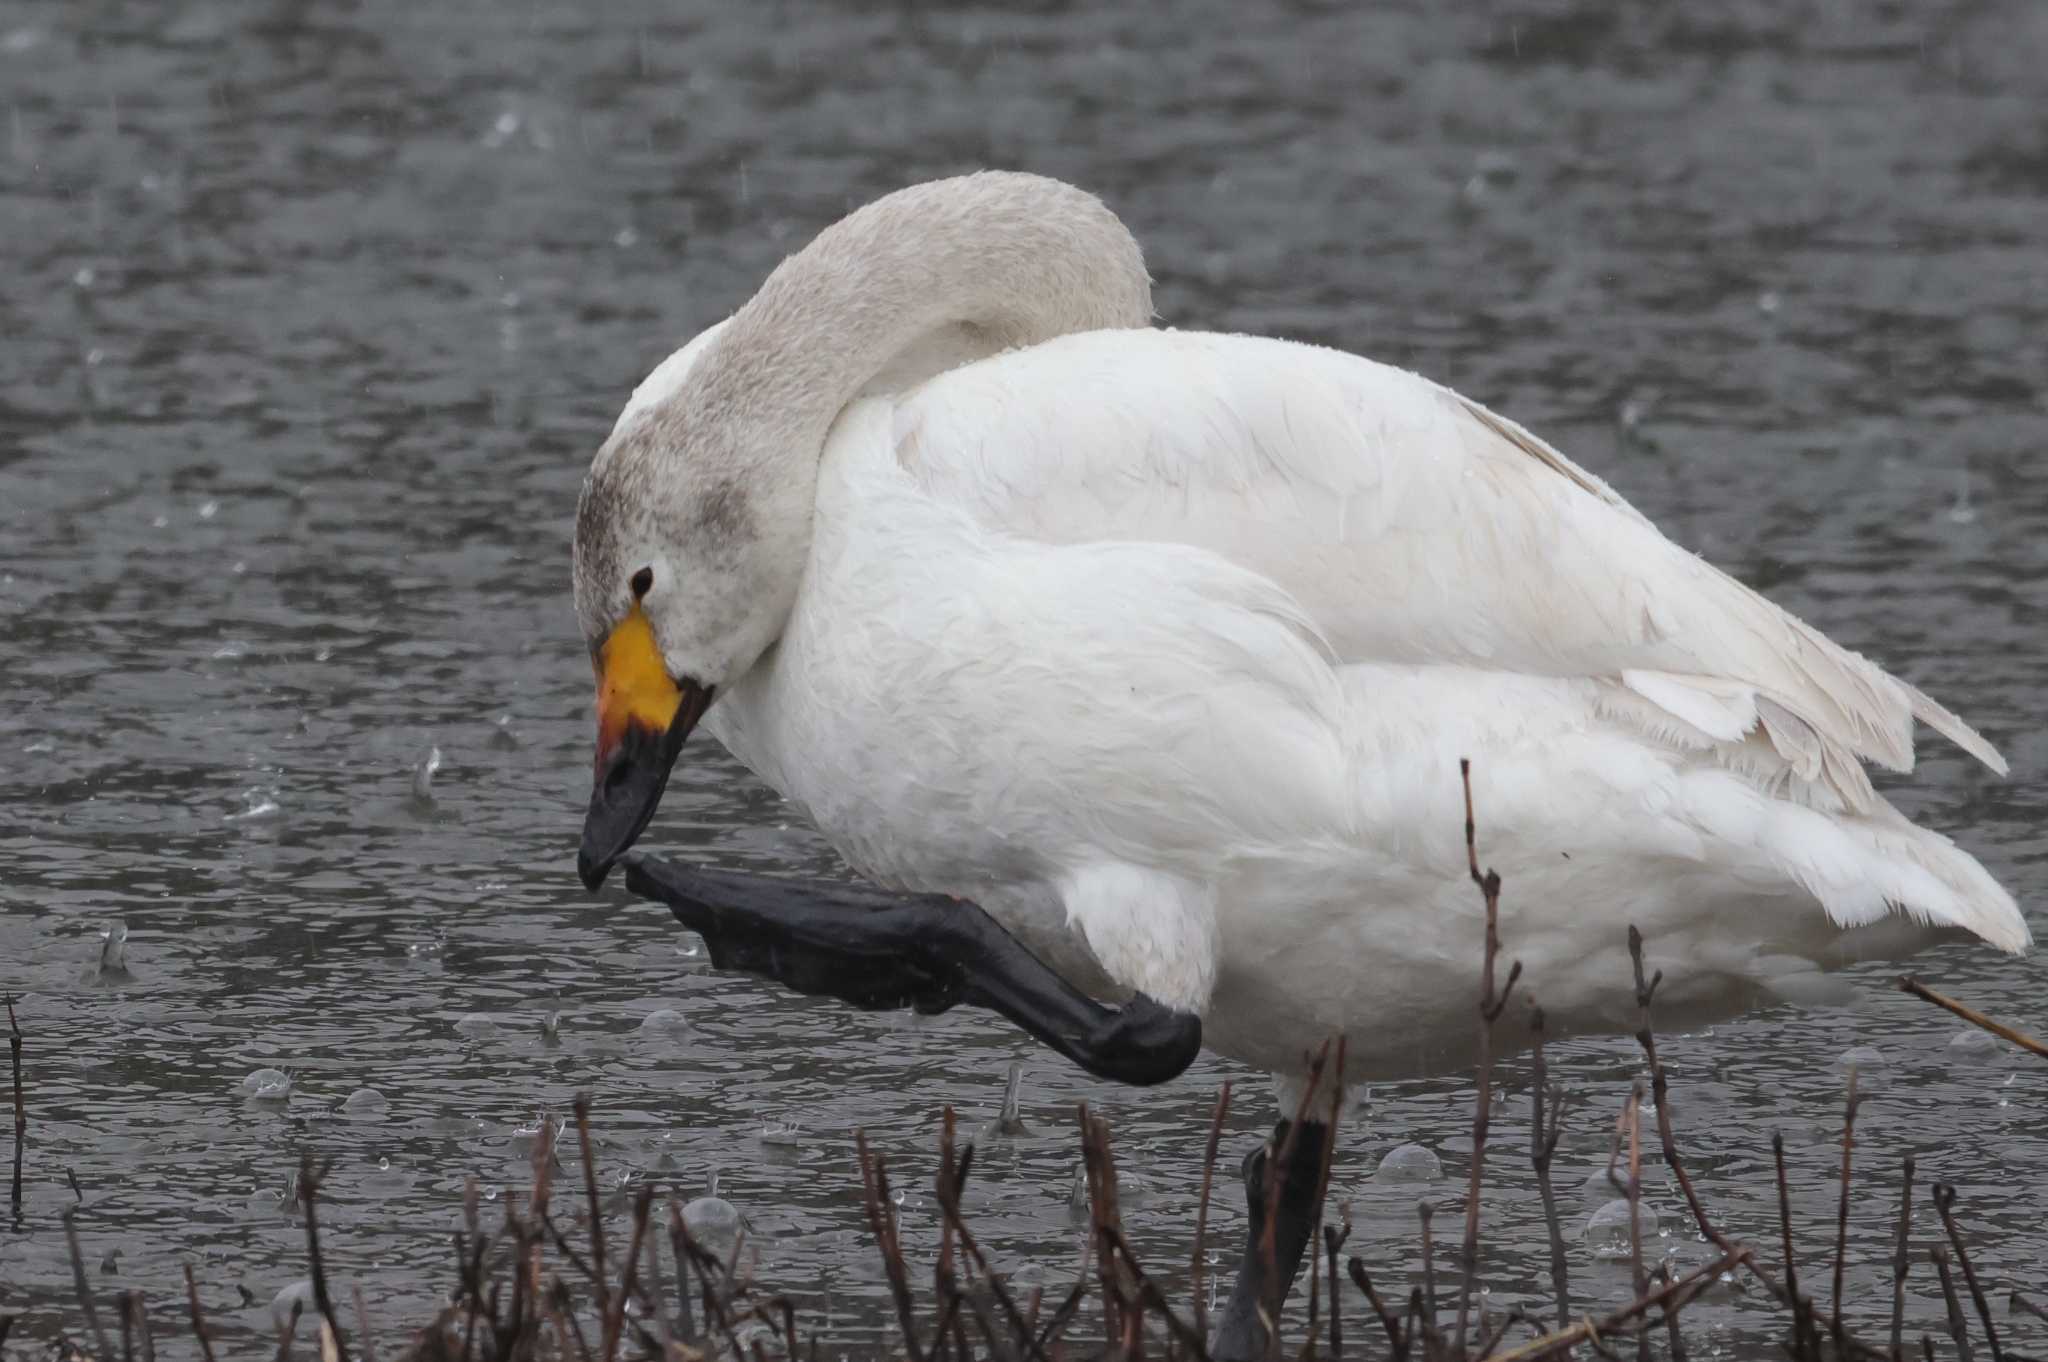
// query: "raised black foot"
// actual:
[[1263, 1281], [880, 950]]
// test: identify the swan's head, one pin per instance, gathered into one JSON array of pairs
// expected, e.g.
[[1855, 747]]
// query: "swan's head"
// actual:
[[685, 571]]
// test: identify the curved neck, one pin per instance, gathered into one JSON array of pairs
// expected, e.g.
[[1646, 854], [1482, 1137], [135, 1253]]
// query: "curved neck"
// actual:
[[920, 280]]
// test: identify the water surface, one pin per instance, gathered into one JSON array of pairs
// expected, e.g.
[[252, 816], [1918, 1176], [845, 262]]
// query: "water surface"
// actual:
[[313, 315]]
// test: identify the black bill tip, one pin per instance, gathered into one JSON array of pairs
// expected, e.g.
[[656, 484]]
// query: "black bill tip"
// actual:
[[628, 788]]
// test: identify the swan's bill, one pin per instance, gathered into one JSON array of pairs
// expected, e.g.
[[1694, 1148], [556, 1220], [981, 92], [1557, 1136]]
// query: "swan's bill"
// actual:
[[643, 715]]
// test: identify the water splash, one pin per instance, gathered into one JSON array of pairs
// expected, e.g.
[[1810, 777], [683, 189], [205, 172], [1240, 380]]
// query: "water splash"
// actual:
[[258, 803], [423, 772]]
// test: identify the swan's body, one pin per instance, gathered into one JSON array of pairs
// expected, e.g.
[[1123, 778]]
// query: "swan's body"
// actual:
[[1164, 648]]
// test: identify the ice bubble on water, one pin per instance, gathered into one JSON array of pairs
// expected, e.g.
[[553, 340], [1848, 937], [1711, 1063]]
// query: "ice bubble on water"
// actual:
[[476, 1026], [268, 1085], [208, 509], [663, 1021], [365, 1102], [713, 1221], [299, 1293], [1867, 1062], [1971, 1046], [1408, 1163], [1607, 1229]]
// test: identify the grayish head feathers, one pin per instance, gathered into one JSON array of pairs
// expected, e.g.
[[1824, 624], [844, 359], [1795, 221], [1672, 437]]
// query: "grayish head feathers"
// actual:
[[709, 478]]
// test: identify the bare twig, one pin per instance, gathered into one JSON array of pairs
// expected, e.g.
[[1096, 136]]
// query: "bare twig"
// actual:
[[581, 1107], [1379, 1307], [1901, 1259], [1490, 1008], [78, 1284], [1196, 1268], [615, 1316], [1944, 1206], [309, 1194], [199, 1330], [1542, 1147], [882, 1223], [1842, 1210], [1670, 1298], [1957, 1328], [363, 1326], [1803, 1345], [20, 1112], [1906, 983]]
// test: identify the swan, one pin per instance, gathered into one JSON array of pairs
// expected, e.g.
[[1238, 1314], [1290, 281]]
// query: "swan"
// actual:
[[1136, 664]]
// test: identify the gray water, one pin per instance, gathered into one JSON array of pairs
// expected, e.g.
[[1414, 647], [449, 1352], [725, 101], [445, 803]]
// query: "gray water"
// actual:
[[313, 315]]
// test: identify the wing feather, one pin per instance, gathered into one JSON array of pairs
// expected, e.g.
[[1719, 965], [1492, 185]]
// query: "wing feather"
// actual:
[[1412, 524]]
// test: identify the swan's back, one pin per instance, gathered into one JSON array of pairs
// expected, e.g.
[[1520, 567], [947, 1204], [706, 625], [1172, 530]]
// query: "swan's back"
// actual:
[[1414, 526]]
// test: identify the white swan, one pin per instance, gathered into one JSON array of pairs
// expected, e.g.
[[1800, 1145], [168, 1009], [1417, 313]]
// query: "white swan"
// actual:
[[1163, 648], [1176, 639]]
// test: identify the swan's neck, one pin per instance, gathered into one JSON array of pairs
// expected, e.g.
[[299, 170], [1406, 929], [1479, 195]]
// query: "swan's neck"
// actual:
[[921, 280]]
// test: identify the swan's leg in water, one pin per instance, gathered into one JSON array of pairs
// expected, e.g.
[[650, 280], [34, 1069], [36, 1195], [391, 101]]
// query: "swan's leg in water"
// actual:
[[877, 949], [1242, 1335]]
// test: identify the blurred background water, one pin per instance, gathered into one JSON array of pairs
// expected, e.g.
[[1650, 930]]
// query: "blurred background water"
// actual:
[[312, 315]]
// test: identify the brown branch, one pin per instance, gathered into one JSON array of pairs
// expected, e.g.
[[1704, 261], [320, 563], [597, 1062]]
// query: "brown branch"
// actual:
[[1842, 1210], [309, 1193], [615, 1317], [1195, 1268], [1944, 1206], [882, 1223], [581, 1106], [1379, 1307], [1957, 1329], [20, 1112], [949, 1206], [1542, 1147], [198, 1316], [1659, 1085], [1333, 1243], [78, 1284], [1670, 1298], [1901, 1259], [1490, 1008], [1906, 983]]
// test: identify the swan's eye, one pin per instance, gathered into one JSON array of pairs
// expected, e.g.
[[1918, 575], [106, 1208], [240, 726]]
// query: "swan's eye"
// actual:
[[643, 580]]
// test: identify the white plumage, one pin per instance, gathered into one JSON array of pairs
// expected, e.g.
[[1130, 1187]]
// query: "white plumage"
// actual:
[[1164, 647]]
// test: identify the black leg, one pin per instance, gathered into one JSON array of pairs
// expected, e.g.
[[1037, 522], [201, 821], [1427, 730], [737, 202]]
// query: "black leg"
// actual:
[[880, 950], [1262, 1284]]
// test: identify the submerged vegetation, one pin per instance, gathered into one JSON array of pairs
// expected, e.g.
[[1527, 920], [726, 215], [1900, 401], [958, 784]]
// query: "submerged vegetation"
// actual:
[[548, 1284]]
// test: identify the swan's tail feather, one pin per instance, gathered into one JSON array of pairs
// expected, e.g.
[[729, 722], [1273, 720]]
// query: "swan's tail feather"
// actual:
[[1861, 867], [1945, 722]]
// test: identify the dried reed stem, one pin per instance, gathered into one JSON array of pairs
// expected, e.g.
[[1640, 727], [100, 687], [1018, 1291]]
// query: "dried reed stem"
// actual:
[[1944, 1206], [1906, 983], [20, 1111], [1197, 1267], [1490, 1008]]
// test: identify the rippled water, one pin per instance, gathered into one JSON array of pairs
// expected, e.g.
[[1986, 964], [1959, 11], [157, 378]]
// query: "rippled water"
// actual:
[[313, 315]]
